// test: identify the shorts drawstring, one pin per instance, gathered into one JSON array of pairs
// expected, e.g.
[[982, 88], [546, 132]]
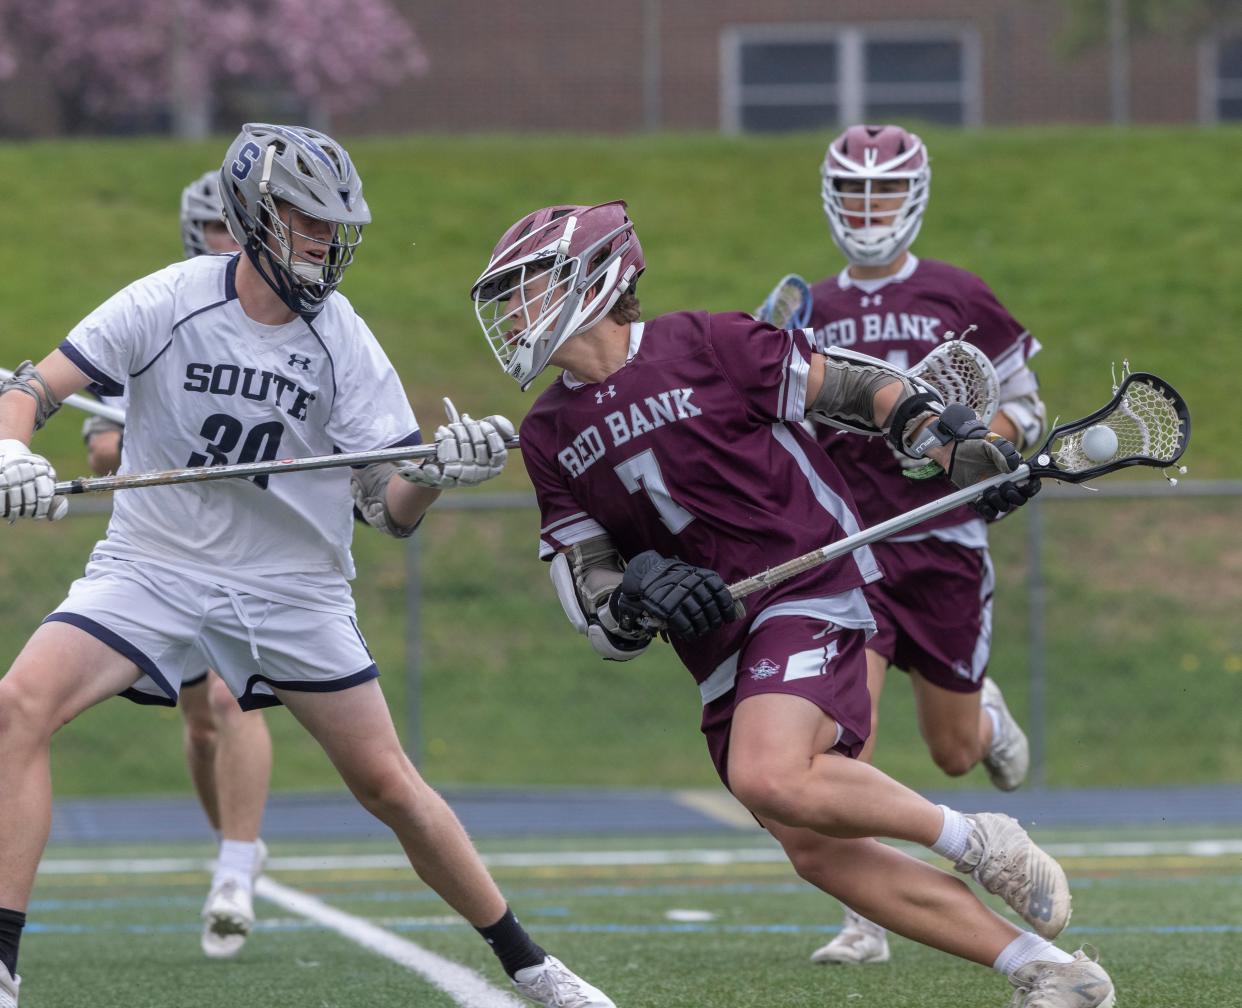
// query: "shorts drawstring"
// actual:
[[242, 618]]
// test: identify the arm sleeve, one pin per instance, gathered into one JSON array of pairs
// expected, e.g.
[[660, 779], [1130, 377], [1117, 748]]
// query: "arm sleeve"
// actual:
[[766, 366], [370, 409]]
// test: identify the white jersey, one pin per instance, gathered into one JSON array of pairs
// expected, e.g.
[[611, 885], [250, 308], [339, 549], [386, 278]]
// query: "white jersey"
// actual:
[[206, 385]]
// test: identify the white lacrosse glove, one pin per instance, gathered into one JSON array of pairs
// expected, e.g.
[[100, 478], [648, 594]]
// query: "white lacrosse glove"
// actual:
[[468, 452], [27, 485]]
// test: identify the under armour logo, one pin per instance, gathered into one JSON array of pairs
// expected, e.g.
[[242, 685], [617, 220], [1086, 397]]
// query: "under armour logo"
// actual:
[[611, 393], [874, 299], [297, 360]]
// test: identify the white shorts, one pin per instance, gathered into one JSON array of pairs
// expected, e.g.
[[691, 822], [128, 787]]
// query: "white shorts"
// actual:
[[171, 626]]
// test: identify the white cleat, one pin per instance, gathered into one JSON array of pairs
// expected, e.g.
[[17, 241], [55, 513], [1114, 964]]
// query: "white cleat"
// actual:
[[553, 985], [859, 942], [1002, 858], [228, 917], [1080, 984], [8, 988], [1009, 756]]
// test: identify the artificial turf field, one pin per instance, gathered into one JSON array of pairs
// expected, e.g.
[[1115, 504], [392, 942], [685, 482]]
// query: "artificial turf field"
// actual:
[[117, 927]]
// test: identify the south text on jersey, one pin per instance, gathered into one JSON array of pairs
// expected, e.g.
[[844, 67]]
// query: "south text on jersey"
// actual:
[[249, 383]]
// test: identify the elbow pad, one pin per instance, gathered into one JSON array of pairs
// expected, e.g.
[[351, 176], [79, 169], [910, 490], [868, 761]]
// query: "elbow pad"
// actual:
[[585, 578], [28, 380], [369, 486]]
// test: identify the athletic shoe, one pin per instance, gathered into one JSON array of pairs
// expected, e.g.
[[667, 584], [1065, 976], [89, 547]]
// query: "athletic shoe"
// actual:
[[1079, 984], [859, 942], [228, 917], [1009, 756], [1007, 863], [553, 985], [8, 988]]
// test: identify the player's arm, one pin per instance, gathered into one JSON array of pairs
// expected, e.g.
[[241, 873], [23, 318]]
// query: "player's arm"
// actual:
[[27, 401], [1021, 416], [103, 439], [917, 425], [585, 576]]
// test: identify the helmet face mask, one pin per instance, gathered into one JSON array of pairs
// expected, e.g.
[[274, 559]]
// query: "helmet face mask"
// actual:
[[875, 185], [289, 191], [555, 273]]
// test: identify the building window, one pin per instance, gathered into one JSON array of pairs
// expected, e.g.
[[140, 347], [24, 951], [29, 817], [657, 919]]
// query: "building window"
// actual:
[[1224, 84], [783, 77]]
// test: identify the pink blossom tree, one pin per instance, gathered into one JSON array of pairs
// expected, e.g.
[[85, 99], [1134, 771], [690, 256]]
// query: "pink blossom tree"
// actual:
[[127, 57]]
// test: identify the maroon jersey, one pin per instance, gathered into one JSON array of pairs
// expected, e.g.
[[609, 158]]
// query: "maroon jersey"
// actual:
[[900, 319], [686, 450]]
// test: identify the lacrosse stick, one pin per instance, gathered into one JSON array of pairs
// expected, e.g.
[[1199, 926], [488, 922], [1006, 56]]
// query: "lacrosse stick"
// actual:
[[114, 413], [244, 470], [789, 304], [961, 373], [1152, 428]]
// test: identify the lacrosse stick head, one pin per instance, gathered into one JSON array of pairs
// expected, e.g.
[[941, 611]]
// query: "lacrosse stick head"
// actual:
[[789, 304], [962, 373], [1146, 414], [554, 273]]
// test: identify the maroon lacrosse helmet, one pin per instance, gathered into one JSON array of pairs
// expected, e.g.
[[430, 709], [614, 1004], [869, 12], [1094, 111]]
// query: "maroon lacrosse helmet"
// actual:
[[554, 273]]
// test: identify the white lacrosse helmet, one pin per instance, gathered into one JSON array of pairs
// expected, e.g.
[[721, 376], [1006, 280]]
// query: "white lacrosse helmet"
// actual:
[[553, 274], [865, 156], [201, 204]]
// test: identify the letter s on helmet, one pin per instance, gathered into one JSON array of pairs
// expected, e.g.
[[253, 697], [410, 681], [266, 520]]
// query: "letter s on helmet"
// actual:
[[553, 274], [312, 173], [854, 163]]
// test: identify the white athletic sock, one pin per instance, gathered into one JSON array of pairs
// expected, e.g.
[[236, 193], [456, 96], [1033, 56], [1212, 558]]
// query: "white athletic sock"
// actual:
[[1028, 947], [993, 716], [953, 835], [237, 862]]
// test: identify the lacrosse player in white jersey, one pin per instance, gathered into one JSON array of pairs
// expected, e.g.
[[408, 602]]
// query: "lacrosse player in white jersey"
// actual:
[[228, 750], [231, 359]]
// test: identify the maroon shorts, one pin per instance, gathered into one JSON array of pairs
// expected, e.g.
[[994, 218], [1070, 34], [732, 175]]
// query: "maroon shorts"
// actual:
[[806, 657], [933, 611]]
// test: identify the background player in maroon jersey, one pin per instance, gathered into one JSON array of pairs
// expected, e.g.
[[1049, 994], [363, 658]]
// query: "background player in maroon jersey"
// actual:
[[933, 610], [669, 458]]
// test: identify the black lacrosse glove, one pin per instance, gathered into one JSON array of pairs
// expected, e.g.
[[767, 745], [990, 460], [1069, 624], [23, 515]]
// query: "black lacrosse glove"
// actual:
[[978, 454], [688, 601]]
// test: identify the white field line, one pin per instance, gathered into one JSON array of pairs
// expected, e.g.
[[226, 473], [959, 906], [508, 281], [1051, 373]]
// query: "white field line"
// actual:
[[463, 985], [584, 859]]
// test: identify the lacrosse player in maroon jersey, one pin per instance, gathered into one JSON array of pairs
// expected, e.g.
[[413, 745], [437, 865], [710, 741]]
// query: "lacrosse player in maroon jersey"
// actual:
[[933, 609], [668, 459]]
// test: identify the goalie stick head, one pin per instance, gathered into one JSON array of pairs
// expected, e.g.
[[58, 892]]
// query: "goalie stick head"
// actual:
[[875, 184], [554, 273]]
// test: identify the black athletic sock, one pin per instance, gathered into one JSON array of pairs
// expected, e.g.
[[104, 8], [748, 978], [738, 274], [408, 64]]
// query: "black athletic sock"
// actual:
[[512, 945], [11, 924]]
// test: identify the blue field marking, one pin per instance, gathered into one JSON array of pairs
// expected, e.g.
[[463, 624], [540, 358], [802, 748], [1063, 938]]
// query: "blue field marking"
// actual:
[[399, 926]]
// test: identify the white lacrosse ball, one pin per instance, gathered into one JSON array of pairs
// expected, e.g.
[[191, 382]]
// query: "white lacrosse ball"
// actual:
[[1099, 443]]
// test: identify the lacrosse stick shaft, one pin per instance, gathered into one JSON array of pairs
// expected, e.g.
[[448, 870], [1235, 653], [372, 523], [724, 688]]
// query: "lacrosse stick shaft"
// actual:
[[244, 470], [808, 561], [84, 403]]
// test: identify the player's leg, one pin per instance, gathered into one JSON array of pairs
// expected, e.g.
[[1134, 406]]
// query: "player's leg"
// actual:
[[356, 731], [61, 672], [953, 724], [929, 906], [877, 671], [242, 774], [199, 740], [779, 761]]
